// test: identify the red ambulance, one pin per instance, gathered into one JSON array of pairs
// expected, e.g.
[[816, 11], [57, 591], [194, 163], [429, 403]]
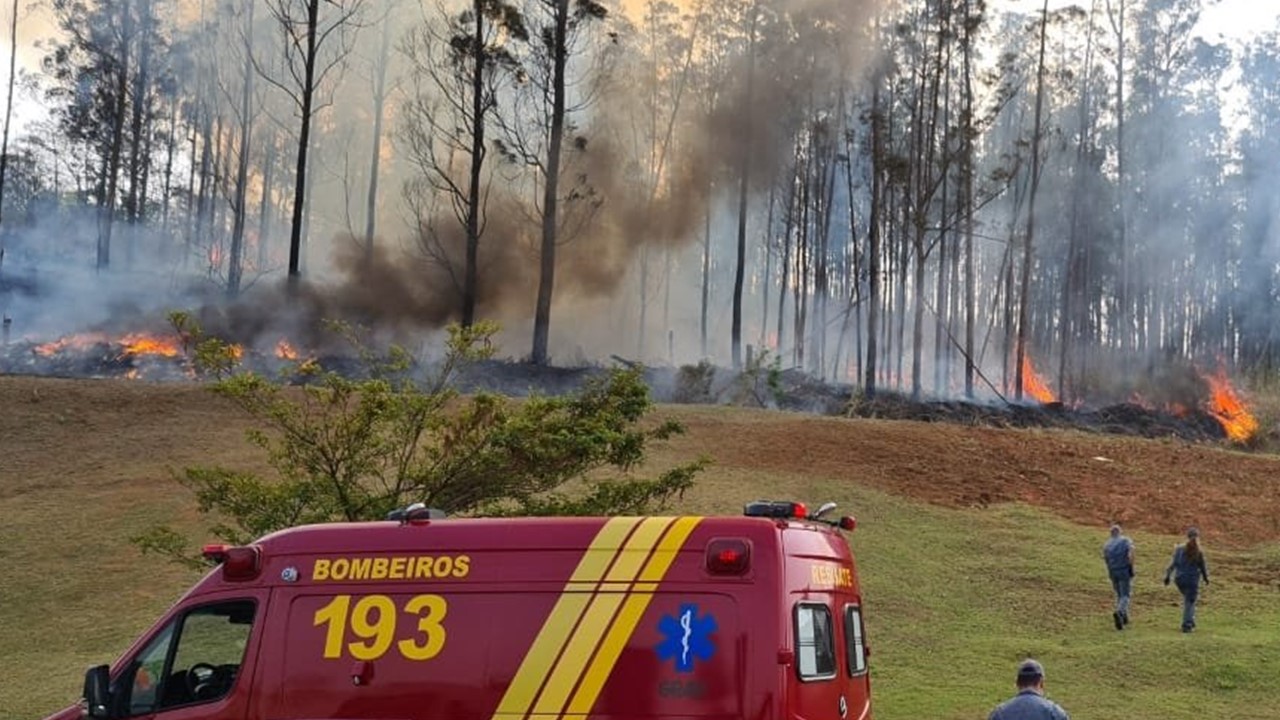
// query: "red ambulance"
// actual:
[[680, 618]]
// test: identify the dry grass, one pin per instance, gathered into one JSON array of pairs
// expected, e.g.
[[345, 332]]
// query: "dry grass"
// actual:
[[84, 465]]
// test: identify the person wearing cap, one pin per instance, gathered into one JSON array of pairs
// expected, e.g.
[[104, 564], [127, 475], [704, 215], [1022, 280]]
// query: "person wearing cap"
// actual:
[[1187, 569], [1117, 553], [1030, 702]]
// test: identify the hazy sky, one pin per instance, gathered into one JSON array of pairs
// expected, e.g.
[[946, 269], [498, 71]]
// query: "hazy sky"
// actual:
[[1230, 19], [1240, 18]]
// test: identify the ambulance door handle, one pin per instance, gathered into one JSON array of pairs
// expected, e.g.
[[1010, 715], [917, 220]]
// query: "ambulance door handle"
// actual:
[[361, 673], [786, 656]]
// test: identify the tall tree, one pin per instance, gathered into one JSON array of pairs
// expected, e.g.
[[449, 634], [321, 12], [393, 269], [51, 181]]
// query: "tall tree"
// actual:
[[245, 118], [744, 186], [537, 127], [459, 62], [1024, 284], [8, 109], [379, 113], [1116, 13], [315, 44]]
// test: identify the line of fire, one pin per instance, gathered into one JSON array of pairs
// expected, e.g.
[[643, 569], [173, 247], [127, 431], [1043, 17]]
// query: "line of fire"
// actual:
[[1210, 407]]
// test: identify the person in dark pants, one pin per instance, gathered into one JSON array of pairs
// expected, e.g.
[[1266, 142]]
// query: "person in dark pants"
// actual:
[[1187, 569], [1118, 555], [1030, 702]]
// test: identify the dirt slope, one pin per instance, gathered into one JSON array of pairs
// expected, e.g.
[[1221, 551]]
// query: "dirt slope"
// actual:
[[74, 432]]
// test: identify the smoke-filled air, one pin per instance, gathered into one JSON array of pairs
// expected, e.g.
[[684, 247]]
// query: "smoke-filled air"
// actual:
[[1042, 200]]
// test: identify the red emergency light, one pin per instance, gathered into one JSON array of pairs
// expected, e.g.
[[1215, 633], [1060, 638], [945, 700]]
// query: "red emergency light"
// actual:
[[728, 556], [238, 563]]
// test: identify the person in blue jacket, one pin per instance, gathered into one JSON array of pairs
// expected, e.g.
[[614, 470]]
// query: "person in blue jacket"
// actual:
[[1187, 569], [1117, 553], [1030, 702]]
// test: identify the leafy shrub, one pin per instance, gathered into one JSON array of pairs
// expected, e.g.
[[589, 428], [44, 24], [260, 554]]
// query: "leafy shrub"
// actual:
[[355, 449]]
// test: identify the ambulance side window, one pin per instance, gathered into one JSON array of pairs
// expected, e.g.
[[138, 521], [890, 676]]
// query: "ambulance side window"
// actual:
[[855, 644], [147, 669], [195, 659], [815, 642]]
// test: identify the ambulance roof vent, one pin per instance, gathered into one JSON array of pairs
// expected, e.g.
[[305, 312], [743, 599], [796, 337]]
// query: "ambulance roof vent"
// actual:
[[416, 513]]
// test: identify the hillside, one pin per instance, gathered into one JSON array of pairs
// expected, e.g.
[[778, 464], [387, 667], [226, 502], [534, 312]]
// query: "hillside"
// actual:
[[976, 545]]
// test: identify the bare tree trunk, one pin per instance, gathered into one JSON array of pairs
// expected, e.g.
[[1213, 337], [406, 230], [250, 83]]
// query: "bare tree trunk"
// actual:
[[822, 275], [141, 81], [265, 207], [799, 288], [148, 134], [170, 151], [967, 170], [744, 184], [1025, 283], [873, 239], [192, 201], [551, 189], [784, 267], [235, 265], [856, 280], [668, 269], [942, 306], [217, 217], [706, 270], [107, 212], [1124, 314], [768, 267], [379, 112], [304, 145], [644, 301], [1072, 316], [8, 110]]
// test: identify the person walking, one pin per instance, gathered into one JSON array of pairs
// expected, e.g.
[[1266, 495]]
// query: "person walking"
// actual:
[[1187, 569], [1030, 702], [1117, 553]]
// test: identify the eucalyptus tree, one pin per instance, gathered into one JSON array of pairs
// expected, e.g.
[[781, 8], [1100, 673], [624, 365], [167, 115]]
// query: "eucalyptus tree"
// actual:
[[459, 61], [8, 106], [246, 110], [545, 112], [90, 67], [317, 36], [1252, 301]]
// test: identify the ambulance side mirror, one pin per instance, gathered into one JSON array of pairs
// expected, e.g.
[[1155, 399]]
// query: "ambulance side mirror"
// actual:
[[97, 693]]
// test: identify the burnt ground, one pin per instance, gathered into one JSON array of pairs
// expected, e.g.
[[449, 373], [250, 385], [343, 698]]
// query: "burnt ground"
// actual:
[[75, 432]]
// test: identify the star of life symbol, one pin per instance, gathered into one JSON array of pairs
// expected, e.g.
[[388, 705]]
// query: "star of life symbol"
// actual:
[[686, 636]]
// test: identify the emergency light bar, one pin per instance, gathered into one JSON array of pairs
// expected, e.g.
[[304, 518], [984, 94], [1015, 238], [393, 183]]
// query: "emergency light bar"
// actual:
[[785, 510], [776, 509]]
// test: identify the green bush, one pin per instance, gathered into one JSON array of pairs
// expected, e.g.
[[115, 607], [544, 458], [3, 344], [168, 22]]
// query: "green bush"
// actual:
[[355, 449]]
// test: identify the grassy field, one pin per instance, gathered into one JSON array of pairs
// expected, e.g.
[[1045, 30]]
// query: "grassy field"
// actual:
[[956, 593]]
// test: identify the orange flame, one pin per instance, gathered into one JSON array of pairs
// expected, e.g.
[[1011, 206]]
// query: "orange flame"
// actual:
[[141, 344], [77, 342], [1227, 407], [1034, 385], [285, 351], [131, 344]]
